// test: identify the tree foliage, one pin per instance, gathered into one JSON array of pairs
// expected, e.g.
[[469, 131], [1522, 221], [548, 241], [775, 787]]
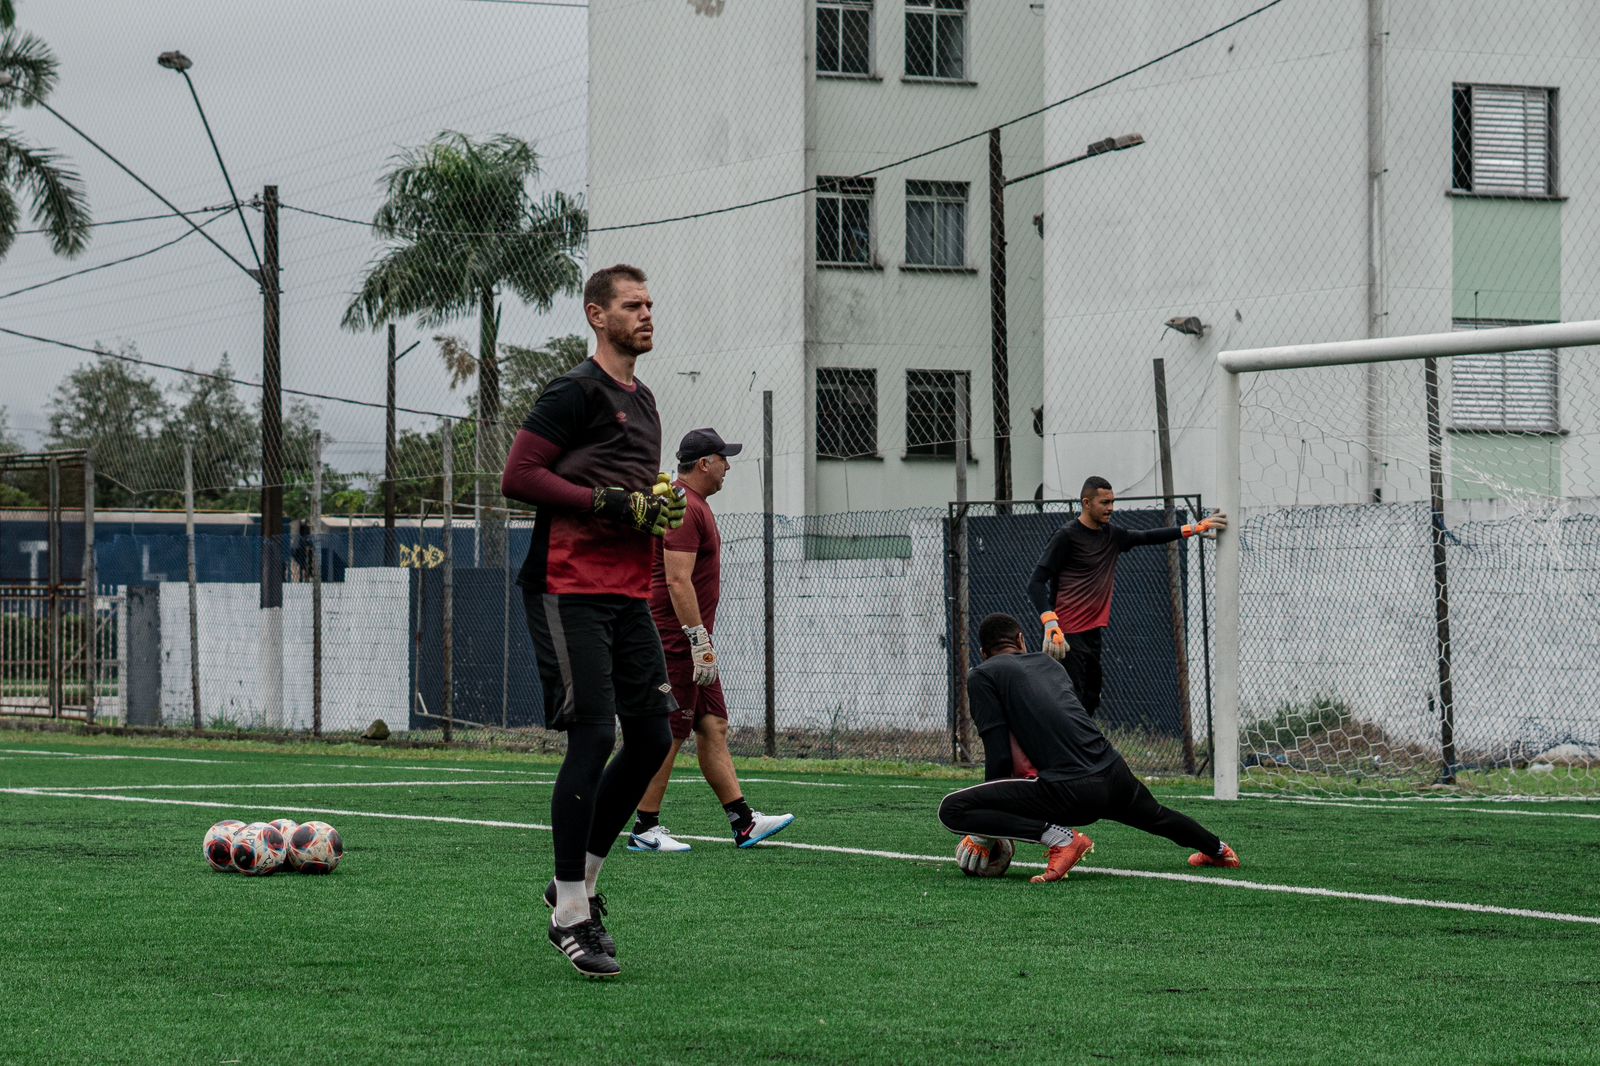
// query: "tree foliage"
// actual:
[[53, 192]]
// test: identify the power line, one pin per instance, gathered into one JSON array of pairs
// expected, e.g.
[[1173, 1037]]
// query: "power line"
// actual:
[[529, 3], [126, 358], [140, 218], [185, 235], [777, 197]]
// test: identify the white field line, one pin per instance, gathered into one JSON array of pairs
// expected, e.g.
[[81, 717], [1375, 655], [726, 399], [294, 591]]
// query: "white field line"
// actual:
[[97, 758], [1452, 809], [1386, 800], [1255, 886]]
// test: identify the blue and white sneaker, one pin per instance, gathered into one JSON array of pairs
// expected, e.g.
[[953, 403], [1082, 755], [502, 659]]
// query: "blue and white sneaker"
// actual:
[[762, 827], [657, 838]]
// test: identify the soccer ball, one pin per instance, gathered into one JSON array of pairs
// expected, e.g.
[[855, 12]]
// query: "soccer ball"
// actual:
[[1000, 856], [285, 826], [218, 848], [258, 849], [315, 848]]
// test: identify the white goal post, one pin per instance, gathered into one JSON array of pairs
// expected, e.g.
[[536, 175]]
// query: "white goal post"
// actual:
[[1231, 485]]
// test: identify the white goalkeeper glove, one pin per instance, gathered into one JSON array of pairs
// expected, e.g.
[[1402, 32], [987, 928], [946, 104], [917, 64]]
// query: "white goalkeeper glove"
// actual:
[[972, 854], [703, 654], [1055, 641]]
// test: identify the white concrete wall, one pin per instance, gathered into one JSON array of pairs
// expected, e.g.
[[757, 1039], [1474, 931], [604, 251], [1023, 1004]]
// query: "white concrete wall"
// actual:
[[1340, 601], [1244, 207], [859, 641], [365, 652], [693, 112]]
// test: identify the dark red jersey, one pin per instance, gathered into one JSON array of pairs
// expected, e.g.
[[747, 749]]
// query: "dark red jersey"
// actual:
[[698, 534], [609, 435], [1081, 565]]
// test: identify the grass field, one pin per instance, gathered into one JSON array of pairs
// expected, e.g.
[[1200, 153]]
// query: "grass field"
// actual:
[[850, 938]]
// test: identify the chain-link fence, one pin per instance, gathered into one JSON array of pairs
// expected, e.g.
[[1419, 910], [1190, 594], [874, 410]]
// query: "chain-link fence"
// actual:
[[929, 229]]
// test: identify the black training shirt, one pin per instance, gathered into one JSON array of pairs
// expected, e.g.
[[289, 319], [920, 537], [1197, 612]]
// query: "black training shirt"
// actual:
[[609, 435], [1030, 698]]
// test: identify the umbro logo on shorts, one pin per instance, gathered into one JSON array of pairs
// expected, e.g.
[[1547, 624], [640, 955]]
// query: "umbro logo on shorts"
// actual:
[[665, 688]]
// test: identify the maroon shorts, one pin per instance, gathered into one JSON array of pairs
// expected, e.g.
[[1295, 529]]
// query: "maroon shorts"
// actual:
[[693, 702]]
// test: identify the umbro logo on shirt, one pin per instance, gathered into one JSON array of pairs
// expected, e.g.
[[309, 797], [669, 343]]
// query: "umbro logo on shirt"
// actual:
[[622, 418]]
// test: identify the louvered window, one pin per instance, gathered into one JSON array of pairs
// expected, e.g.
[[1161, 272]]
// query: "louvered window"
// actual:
[[1508, 392], [1504, 139]]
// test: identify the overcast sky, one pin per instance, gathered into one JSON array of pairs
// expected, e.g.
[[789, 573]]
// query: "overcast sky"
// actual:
[[314, 97]]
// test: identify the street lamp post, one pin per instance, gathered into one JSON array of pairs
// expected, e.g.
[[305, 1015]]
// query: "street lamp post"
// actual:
[[266, 275], [391, 547], [999, 354]]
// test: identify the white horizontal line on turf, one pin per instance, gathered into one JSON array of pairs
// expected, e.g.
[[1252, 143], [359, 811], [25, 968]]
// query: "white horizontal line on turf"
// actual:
[[67, 789], [1199, 879], [1463, 810], [85, 756]]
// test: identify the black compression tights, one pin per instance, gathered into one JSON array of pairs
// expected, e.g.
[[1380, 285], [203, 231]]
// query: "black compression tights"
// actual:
[[592, 800]]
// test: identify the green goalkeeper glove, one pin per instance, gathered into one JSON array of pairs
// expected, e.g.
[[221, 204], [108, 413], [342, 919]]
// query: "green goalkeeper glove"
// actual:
[[972, 854], [646, 512], [677, 502]]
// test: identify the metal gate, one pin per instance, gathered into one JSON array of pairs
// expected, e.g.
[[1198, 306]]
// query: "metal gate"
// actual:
[[54, 630]]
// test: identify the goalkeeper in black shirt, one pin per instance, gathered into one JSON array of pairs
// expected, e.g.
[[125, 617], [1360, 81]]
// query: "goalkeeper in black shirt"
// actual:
[[1026, 701]]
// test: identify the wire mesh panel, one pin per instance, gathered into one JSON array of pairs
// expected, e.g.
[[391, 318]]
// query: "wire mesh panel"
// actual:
[[1151, 718], [1442, 633]]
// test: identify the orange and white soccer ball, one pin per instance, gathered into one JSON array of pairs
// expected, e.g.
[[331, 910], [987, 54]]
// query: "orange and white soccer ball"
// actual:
[[259, 849], [315, 848], [218, 847]]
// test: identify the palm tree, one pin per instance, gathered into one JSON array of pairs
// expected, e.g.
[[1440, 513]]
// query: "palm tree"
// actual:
[[461, 224], [55, 193]]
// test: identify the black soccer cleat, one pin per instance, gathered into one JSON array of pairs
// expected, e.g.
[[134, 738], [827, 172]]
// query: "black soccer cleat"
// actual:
[[581, 945], [597, 911]]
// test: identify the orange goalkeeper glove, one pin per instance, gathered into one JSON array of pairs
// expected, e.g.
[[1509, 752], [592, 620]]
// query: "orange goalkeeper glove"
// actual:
[[1207, 527], [1055, 641]]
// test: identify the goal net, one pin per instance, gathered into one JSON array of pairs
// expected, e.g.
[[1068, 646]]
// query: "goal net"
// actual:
[[1411, 602]]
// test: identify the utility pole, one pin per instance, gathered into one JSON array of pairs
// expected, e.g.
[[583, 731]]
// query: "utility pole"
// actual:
[[391, 551], [271, 467], [999, 354]]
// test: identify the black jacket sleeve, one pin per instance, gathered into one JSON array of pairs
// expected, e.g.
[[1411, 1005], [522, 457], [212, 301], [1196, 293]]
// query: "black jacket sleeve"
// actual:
[[989, 719], [1042, 585], [1134, 538], [997, 753]]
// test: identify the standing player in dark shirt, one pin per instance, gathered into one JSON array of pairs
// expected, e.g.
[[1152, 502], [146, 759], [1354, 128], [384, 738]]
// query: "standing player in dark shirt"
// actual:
[[587, 456], [1071, 587], [684, 589], [1026, 699]]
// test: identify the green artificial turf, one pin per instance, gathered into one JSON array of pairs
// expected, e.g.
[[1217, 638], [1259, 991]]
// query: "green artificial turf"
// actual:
[[427, 945]]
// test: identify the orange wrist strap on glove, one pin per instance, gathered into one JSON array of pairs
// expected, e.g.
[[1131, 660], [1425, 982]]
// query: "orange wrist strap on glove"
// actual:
[[1202, 526]]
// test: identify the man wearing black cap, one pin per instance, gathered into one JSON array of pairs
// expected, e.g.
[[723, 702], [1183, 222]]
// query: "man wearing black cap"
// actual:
[[685, 586]]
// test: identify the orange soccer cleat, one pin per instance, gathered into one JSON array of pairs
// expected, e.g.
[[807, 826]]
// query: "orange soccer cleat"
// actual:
[[1227, 860], [1064, 858]]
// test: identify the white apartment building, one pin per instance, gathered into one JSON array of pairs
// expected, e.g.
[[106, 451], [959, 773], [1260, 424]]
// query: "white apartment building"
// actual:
[[863, 305], [1325, 172]]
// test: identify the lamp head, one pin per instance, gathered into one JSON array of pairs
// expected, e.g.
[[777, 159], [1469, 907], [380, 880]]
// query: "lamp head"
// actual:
[[174, 61]]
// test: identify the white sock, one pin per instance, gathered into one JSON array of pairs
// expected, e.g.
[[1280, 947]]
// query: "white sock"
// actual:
[[591, 872], [572, 903], [1056, 836]]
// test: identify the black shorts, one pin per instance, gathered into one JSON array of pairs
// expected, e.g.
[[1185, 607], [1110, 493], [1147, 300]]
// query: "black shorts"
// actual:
[[599, 657]]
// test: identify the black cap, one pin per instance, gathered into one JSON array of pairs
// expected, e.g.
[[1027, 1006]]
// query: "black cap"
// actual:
[[699, 443]]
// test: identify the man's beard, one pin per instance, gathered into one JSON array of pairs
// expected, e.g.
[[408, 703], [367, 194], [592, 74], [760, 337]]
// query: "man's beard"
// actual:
[[625, 341]]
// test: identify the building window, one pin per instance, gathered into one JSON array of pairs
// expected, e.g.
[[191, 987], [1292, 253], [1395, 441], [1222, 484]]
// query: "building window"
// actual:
[[1504, 140], [936, 223], [847, 413], [844, 37], [1504, 392], [931, 401], [936, 39], [844, 221]]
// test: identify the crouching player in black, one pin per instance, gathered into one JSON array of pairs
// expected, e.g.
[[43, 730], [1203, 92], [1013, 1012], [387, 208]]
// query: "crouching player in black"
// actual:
[[1026, 701], [587, 456]]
